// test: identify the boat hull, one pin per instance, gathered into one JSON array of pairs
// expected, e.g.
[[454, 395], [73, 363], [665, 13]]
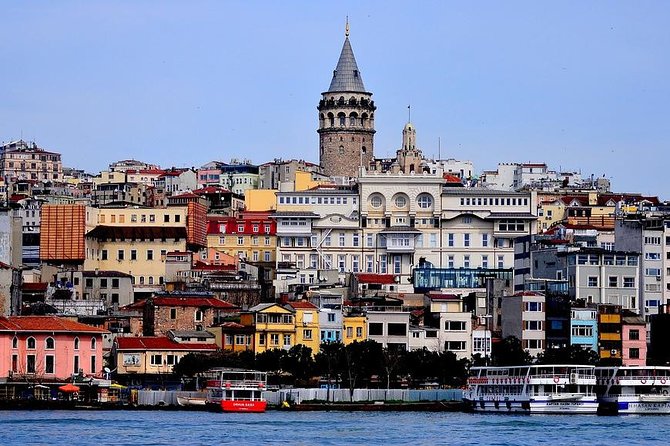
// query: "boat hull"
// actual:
[[243, 406], [583, 406], [635, 405]]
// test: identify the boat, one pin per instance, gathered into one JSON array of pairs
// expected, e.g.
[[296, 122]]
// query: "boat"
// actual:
[[189, 401], [236, 390], [531, 389], [634, 389]]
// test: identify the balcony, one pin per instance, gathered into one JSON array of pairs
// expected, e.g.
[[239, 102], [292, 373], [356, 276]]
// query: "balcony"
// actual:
[[610, 336], [609, 318]]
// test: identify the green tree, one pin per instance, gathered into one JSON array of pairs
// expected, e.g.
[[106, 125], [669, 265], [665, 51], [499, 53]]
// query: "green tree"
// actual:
[[298, 362], [508, 352], [572, 354]]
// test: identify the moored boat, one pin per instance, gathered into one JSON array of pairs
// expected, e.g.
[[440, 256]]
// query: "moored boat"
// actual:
[[237, 390], [532, 389], [634, 389]]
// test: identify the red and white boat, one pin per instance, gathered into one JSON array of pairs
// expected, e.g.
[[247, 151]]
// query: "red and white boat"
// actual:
[[237, 390]]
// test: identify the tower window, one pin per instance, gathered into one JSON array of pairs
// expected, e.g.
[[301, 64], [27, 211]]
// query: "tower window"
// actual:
[[364, 149], [343, 120], [341, 150]]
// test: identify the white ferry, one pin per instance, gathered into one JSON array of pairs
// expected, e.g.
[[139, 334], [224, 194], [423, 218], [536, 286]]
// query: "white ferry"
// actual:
[[634, 389], [533, 389]]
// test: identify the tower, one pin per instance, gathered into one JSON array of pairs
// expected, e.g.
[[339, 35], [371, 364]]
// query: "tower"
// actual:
[[346, 119]]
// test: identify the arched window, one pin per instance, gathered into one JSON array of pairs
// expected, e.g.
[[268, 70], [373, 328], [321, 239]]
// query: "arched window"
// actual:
[[343, 119], [425, 201], [364, 149], [376, 200], [198, 317], [341, 150], [30, 343], [141, 280], [76, 343], [49, 343], [401, 201], [15, 342], [93, 343], [331, 119], [353, 119], [151, 280]]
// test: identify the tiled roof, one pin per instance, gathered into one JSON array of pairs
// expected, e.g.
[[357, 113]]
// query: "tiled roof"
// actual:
[[184, 301], [211, 190], [160, 343], [301, 305], [45, 323], [346, 76], [34, 286], [517, 215], [381, 279], [400, 229], [137, 232]]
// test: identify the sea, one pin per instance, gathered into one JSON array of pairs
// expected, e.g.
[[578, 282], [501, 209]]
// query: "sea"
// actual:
[[117, 427]]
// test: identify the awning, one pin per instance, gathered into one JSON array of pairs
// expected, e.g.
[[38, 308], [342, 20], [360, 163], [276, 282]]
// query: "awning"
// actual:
[[69, 388]]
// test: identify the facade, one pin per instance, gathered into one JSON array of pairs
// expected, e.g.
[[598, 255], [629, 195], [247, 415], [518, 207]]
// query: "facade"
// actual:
[[609, 334], [20, 160], [138, 358], [353, 327], [49, 348], [389, 328], [274, 326], [584, 327], [306, 325], [87, 292], [454, 325], [346, 119], [273, 174], [633, 340], [524, 316], [250, 236]]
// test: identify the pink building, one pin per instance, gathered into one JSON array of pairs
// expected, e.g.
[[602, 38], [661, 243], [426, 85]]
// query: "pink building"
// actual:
[[48, 348], [634, 340]]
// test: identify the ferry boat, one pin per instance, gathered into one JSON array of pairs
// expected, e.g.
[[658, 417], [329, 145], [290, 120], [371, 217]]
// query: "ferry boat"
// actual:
[[532, 389], [236, 390], [634, 389]]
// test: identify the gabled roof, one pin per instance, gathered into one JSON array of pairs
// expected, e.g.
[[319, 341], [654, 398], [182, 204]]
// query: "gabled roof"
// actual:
[[184, 301], [46, 324], [301, 305], [160, 343], [346, 76], [265, 306]]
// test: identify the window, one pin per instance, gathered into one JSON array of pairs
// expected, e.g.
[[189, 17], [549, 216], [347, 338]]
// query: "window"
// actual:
[[198, 317], [634, 353], [454, 326], [582, 331], [466, 261], [93, 365], [397, 264], [400, 201], [613, 281], [171, 359], [466, 239], [133, 254], [15, 342], [533, 325], [75, 364], [173, 313], [103, 254], [376, 201], [307, 334], [103, 283], [592, 281], [287, 340], [359, 332], [240, 240], [397, 329], [120, 254], [331, 317], [115, 283], [30, 363], [425, 201], [450, 239], [49, 343], [76, 343], [454, 345], [511, 225], [629, 282], [376, 329], [341, 239], [30, 343], [156, 360], [274, 339], [485, 240], [634, 335], [533, 306], [93, 343], [485, 261], [15, 363], [150, 254]]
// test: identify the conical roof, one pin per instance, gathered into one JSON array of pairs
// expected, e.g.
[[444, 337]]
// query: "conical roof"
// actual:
[[346, 76]]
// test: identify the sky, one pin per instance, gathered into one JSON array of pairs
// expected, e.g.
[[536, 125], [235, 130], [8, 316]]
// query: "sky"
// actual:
[[581, 86]]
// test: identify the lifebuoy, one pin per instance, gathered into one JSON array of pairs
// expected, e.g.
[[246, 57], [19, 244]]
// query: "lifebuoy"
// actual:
[[556, 379], [617, 380], [643, 381], [663, 380], [665, 392]]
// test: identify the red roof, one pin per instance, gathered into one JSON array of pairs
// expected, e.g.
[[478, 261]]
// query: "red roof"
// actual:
[[160, 343], [186, 301], [302, 305], [211, 190], [451, 178], [441, 296], [45, 323], [36, 286], [380, 279]]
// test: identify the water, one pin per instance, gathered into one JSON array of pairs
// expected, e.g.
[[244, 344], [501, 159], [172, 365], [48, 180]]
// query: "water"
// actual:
[[101, 428]]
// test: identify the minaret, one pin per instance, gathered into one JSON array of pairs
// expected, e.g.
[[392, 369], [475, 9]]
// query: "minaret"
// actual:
[[346, 119], [409, 157]]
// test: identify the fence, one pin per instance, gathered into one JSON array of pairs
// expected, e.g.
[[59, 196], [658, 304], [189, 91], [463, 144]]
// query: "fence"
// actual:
[[169, 397]]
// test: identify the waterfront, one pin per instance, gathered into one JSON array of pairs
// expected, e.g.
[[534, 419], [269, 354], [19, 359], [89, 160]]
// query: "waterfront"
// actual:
[[324, 428]]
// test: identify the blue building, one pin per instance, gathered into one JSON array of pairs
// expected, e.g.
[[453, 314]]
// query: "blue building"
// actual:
[[584, 327]]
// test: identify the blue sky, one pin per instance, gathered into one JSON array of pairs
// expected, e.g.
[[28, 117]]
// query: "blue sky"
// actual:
[[579, 85]]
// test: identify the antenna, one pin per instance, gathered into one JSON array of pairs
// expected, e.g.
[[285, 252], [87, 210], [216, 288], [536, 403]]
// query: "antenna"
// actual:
[[346, 28], [409, 113], [439, 148]]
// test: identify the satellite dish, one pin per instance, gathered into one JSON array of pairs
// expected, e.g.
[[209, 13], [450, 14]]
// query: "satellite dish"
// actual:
[[106, 369]]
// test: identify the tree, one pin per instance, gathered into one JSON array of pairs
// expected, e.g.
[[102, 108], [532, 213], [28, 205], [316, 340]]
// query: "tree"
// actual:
[[298, 362], [509, 352], [572, 354], [362, 360]]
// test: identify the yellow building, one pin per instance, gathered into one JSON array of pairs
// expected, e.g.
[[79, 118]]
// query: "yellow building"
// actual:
[[136, 241], [353, 328], [274, 326], [250, 236], [306, 325], [260, 200]]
